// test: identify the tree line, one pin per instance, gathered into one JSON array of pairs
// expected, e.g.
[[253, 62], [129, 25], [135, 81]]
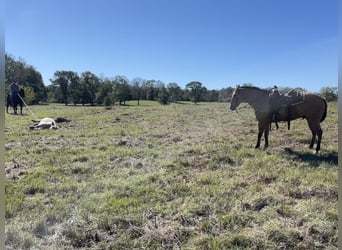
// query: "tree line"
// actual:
[[86, 88]]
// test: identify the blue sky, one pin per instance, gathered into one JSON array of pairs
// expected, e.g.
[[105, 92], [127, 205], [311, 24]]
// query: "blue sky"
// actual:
[[220, 43]]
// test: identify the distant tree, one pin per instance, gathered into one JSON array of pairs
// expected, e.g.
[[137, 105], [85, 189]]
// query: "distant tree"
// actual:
[[67, 84], [90, 85], [175, 92], [211, 95], [29, 95], [105, 93], [108, 102], [34, 80], [329, 93], [14, 70], [158, 86], [196, 91], [225, 94], [186, 95], [163, 95], [149, 90], [204, 94], [74, 87], [122, 90], [27, 76], [137, 89], [54, 93], [61, 81]]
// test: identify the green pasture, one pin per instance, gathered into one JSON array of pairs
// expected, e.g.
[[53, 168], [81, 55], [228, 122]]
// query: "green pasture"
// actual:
[[180, 176]]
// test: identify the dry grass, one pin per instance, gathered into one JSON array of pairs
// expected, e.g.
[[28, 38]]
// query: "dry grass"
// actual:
[[168, 177]]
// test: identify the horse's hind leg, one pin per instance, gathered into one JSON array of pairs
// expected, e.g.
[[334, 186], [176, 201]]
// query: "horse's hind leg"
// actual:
[[319, 135], [316, 130], [312, 139]]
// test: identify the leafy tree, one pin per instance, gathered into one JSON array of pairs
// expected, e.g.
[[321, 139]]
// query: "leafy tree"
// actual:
[[27, 76], [90, 84], [54, 94], [225, 94], [149, 90], [61, 81], [14, 70], [74, 87], [186, 95], [329, 93], [204, 94], [163, 95], [108, 102], [29, 95], [175, 92], [122, 90], [33, 80], [137, 89], [105, 93], [211, 95], [196, 91], [67, 83]]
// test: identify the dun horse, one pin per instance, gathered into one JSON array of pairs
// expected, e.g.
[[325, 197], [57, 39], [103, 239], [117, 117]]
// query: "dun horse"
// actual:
[[312, 107], [17, 100]]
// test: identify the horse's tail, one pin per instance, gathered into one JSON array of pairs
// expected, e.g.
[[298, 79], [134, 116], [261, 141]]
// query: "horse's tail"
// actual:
[[325, 110]]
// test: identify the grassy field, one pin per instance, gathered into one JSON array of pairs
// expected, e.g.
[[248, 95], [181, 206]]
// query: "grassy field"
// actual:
[[181, 176]]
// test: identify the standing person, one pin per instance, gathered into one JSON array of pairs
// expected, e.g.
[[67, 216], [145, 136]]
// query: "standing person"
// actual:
[[14, 89], [275, 103]]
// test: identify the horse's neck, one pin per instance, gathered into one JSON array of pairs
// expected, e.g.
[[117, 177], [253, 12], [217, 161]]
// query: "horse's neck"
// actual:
[[258, 101]]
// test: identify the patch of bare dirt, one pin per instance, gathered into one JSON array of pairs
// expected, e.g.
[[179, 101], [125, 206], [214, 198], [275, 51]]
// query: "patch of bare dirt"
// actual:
[[172, 139], [130, 141], [15, 169]]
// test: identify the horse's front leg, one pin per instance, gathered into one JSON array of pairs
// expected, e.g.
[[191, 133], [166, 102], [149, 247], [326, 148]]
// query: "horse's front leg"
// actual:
[[267, 130], [264, 128], [261, 130], [259, 139]]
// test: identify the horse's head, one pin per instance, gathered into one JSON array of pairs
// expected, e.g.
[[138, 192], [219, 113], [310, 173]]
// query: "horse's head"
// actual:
[[22, 92], [236, 98]]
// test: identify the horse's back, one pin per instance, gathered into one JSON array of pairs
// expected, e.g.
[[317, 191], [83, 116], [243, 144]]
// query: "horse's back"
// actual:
[[315, 105]]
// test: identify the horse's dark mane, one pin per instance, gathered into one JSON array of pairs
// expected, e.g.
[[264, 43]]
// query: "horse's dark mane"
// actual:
[[252, 87]]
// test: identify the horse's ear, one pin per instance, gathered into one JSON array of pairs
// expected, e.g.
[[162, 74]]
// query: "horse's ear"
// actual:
[[238, 86]]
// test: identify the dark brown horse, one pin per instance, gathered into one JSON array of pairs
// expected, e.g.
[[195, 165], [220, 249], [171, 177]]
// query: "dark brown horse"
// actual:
[[313, 108], [16, 100]]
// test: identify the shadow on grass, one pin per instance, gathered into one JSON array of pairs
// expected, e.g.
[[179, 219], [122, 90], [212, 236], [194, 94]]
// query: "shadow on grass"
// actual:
[[23, 114], [330, 158], [183, 103]]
